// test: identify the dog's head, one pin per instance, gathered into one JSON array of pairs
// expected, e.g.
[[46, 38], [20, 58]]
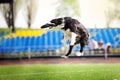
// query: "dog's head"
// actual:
[[57, 21]]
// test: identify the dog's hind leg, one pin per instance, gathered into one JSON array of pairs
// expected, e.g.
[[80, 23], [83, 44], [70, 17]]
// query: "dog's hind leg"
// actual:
[[81, 49], [80, 53]]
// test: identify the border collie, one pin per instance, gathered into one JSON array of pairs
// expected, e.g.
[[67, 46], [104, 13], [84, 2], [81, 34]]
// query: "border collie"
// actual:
[[79, 34]]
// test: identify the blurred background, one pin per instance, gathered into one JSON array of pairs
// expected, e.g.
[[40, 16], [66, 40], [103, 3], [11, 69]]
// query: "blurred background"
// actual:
[[21, 35]]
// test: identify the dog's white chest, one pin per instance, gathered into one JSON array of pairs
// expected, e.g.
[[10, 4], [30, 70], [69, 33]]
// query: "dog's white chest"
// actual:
[[70, 36]]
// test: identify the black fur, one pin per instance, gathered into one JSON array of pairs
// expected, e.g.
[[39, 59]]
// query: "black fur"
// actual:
[[48, 25]]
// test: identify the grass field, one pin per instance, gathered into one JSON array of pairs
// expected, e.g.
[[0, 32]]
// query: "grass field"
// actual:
[[60, 72]]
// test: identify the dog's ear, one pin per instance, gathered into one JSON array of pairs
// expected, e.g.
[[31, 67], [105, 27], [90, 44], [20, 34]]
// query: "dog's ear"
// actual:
[[57, 21], [53, 21], [61, 20]]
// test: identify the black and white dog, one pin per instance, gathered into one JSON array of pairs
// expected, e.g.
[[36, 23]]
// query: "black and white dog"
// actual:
[[79, 34]]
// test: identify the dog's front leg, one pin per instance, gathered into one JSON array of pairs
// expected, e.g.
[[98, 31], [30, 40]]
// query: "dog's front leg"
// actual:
[[70, 50], [72, 43]]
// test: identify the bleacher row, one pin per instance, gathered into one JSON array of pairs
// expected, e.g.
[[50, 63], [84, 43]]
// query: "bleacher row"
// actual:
[[111, 35], [23, 33], [50, 40]]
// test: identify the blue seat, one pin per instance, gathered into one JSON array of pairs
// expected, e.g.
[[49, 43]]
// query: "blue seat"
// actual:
[[118, 30], [18, 45], [76, 48], [1, 49], [49, 40], [31, 41], [60, 38], [37, 43], [2, 44], [55, 38], [43, 42], [18, 42], [104, 38], [98, 35], [1, 34], [109, 36], [22, 42], [12, 45], [114, 31], [6, 45], [25, 41]]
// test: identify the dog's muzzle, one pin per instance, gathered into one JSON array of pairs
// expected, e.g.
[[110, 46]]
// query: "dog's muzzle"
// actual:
[[48, 25]]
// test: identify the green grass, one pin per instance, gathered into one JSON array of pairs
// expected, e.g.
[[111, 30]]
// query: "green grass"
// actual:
[[61, 72]]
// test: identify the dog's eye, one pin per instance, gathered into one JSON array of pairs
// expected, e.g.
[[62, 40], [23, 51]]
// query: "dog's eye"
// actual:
[[53, 21]]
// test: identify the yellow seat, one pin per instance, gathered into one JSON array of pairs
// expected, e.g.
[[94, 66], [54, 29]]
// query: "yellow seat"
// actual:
[[42, 31], [18, 33]]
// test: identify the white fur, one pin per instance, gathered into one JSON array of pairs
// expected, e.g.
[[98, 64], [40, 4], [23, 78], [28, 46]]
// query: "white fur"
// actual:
[[79, 54], [63, 23], [73, 38]]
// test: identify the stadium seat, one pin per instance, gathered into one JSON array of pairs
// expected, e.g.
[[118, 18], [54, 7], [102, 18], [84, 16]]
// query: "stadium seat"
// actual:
[[108, 35], [118, 30], [43, 42], [18, 44], [54, 40], [37, 43], [6, 44], [1, 34], [104, 36], [2, 41], [49, 39]]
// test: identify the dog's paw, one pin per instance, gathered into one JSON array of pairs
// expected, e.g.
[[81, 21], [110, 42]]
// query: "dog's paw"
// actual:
[[79, 54], [64, 56]]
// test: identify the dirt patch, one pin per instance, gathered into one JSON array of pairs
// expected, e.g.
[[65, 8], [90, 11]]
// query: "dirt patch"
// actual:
[[59, 61]]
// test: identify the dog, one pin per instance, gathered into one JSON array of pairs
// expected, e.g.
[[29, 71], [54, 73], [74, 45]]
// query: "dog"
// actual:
[[79, 34]]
